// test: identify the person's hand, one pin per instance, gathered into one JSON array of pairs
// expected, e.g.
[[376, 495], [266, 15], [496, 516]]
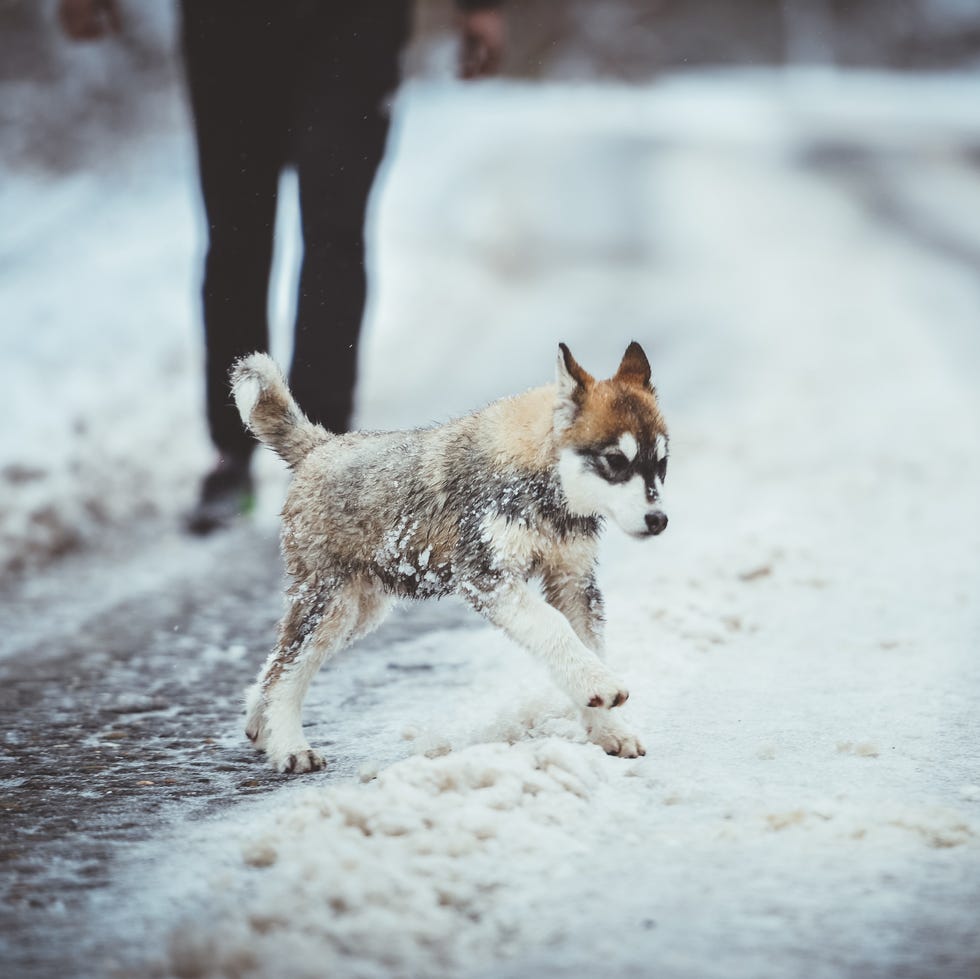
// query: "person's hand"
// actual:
[[481, 42], [88, 20]]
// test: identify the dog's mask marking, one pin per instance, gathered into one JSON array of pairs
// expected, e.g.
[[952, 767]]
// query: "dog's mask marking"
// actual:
[[660, 469], [612, 464], [618, 463], [593, 488], [628, 445]]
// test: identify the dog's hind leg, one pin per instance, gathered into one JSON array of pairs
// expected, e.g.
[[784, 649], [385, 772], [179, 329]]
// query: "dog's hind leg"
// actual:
[[546, 633], [319, 622], [580, 601]]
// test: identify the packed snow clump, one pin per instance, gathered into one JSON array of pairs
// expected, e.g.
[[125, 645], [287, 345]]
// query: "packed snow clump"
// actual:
[[418, 856]]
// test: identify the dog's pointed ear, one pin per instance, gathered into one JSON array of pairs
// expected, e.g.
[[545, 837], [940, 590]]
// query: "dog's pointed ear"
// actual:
[[634, 367], [571, 376], [573, 382]]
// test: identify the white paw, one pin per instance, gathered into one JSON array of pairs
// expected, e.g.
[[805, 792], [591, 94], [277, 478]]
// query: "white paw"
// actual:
[[613, 737], [255, 730], [297, 761], [599, 688], [255, 726]]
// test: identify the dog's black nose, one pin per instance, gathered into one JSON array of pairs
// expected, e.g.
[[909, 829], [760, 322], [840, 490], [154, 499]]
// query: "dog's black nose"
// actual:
[[656, 521]]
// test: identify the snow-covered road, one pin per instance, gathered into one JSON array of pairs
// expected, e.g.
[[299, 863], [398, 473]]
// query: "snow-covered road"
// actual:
[[799, 257]]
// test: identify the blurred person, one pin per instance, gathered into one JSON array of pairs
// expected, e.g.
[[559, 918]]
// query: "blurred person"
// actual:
[[277, 83]]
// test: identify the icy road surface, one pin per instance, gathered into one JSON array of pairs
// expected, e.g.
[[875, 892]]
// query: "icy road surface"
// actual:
[[801, 259]]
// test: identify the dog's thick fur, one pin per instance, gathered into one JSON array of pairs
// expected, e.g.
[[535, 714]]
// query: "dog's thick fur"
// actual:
[[479, 507]]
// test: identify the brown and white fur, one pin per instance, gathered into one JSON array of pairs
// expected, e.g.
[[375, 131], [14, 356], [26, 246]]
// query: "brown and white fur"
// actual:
[[484, 507]]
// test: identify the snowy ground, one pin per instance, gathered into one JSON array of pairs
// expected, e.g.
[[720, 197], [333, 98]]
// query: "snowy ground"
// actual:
[[799, 257]]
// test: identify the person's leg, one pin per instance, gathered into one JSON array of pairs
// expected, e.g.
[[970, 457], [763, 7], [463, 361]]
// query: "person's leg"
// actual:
[[236, 61], [233, 54], [348, 58]]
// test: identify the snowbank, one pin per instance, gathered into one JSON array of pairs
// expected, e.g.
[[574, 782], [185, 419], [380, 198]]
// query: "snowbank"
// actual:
[[403, 876], [98, 352]]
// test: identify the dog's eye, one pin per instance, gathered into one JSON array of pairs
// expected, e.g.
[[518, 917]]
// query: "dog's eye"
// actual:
[[662, 469], [617, 462]]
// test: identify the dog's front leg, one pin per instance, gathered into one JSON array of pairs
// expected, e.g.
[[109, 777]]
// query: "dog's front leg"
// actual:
[[580, 601], [542, 630], [611, 733]]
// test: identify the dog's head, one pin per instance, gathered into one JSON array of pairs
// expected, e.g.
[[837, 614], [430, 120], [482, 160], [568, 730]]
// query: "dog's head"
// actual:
[[612, 443]]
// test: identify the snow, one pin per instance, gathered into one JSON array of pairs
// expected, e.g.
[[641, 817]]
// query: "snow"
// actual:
[[93, 325], [799, 644]]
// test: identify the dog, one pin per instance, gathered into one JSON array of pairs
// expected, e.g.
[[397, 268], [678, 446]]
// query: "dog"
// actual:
[[502, 507]]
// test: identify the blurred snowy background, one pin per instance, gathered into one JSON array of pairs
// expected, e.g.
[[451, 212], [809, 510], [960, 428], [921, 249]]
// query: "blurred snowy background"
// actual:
[[779, 200], [101, 240]]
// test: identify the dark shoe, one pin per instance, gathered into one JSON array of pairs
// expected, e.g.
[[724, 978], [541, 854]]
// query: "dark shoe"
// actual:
[[226, 494]]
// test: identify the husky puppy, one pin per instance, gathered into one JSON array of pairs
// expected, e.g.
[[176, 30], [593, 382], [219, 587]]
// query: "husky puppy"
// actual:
[[485, 507]]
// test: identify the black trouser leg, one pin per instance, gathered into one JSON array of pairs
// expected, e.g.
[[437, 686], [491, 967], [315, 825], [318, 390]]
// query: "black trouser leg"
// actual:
[[333, 278], [238, 84], [341, 128]]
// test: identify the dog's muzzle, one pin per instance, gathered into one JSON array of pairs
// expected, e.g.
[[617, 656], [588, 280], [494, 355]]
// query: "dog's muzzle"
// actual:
[[656, 522]]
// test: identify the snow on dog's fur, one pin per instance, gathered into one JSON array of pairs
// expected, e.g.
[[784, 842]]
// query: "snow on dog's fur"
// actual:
[[479, 507]]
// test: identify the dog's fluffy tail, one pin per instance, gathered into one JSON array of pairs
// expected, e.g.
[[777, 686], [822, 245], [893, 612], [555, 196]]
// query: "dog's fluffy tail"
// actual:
[[269, 411]]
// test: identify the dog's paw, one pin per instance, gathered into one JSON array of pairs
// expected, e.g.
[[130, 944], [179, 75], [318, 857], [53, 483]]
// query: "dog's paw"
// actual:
[[614, 738], [297, 762], [605, 691], [255, 732], [255, 727]]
